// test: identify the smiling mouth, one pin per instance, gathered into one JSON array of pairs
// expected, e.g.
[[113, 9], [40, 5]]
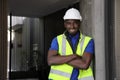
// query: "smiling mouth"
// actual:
[[72, 30]]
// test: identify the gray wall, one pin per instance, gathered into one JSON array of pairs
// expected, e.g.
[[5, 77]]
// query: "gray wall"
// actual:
[[86, 12], [117, 38], [93, 25]]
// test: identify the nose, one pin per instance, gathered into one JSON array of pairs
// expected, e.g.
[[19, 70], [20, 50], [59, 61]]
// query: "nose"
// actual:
[[72, 25]]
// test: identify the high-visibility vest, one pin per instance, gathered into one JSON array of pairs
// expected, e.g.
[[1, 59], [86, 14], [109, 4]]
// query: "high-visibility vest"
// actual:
[[64, 71]]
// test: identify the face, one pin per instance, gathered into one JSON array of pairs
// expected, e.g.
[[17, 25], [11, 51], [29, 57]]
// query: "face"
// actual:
[[72, 26]]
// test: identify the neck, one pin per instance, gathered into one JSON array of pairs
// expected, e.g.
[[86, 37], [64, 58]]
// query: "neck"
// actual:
[[75, 33]]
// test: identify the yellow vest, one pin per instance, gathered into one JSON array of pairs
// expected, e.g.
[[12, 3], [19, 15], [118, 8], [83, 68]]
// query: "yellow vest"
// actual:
[[64, 71]]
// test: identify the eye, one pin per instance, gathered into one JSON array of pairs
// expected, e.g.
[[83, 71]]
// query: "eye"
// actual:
[[73, 22], [68, 23], [77, 22]]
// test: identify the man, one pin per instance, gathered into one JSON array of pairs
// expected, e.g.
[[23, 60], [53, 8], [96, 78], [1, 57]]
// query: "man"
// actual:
[[71, 53]]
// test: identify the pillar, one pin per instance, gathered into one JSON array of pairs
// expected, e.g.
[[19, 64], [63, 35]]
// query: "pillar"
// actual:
[[98, 13]]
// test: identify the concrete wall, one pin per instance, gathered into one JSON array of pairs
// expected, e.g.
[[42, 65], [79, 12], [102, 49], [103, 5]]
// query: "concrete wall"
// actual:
[[86, 7], [93, 25], [117, 38]]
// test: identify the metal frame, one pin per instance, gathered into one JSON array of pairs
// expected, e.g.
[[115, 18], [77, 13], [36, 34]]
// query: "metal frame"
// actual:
[[109, 40]]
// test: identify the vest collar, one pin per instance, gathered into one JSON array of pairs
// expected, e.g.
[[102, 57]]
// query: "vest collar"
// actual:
[[66, 34]]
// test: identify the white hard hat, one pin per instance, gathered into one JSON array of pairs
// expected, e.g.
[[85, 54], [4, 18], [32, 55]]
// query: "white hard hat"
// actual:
[[72, 13]]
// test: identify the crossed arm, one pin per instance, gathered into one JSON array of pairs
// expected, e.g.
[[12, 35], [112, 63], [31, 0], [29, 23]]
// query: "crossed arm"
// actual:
[[80, 62]]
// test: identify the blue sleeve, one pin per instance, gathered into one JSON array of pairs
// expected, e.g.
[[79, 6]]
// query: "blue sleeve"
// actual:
[[54, 44], [90, 47]]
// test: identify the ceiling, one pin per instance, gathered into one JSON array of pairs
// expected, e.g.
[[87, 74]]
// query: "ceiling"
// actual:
[[37, 8]]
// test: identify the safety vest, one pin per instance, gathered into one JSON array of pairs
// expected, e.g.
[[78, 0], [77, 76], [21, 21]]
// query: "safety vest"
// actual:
[[64, 71]]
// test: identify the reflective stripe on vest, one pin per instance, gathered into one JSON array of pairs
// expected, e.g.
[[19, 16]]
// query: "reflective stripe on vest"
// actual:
[[82, 42], [63, 46], [60, 73], [87, 78]]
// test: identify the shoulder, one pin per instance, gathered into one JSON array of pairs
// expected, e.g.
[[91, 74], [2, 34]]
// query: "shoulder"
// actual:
[[91, 42], [90, 47], [60, 36], [88, 37], [88, 40], [55, 39]]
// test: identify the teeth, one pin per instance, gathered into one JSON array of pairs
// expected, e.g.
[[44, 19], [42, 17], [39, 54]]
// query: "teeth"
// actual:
[[72, 30]]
